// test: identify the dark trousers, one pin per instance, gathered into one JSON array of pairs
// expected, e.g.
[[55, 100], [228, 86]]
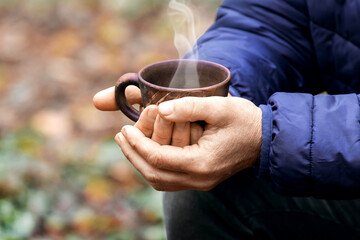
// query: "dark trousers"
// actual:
[[244, 207]]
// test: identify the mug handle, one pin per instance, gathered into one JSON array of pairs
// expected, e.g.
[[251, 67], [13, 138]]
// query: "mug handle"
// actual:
[[120, 98]]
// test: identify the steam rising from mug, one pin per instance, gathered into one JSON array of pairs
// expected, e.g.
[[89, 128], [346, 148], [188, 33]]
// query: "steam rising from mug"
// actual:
[[182, 19]]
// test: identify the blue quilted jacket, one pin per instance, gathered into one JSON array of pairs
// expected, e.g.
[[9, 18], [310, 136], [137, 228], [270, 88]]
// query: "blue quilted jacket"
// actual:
[[282, 55]]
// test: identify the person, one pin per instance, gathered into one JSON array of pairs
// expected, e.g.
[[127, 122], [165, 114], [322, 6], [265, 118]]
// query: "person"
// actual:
[[278, 160]]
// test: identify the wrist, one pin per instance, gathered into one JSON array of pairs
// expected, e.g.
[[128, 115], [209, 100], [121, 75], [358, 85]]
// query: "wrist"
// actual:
[[257, 135]]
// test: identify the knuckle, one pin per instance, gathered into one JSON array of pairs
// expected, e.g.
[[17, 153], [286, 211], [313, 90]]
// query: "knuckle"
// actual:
[[151, 112], [154, 180], [141, 143], [227, 103], [204, 187], [133, 144], [147, 130], [151, 177], [207, 186], [205, 166], [161, 138], [202, 169], [189, 103], [193, 111], [158, 187]]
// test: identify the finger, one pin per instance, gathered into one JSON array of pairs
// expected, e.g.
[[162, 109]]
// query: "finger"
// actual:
[[163, 156], [147, 120], [133, 95], [209, 109], [181, 134], [105, 100], [162, 131], [196, 131], [161, 180]]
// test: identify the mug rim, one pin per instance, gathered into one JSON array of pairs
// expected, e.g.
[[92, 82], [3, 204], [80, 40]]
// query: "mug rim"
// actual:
[[223, 82]]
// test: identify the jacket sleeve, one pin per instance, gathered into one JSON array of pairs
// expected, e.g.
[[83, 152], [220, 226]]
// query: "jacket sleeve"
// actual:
[[266, 45], [311, 145]]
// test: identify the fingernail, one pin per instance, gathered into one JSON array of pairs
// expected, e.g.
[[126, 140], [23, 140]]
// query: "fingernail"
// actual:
[[103, 93], [118, 137], [166, 108], [152, 111], [123, 131], [99, 94]]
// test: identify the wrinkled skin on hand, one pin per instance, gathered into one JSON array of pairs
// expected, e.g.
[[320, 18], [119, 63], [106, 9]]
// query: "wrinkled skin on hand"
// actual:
[[230, 142]]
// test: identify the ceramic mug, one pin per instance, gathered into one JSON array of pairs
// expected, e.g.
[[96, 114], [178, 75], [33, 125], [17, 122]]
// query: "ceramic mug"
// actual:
[[162, 81]]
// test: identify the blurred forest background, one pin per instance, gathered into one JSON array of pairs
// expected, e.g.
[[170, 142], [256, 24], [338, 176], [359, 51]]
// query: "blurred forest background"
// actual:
[[62, 176]]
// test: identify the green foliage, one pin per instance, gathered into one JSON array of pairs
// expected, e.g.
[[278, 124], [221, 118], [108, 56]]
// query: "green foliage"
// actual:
[[74, 200]]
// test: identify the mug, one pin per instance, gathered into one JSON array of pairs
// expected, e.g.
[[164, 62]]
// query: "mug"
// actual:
[[172, 79]]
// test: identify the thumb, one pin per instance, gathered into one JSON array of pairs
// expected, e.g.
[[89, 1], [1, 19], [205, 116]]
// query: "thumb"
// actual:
[[208, 109]]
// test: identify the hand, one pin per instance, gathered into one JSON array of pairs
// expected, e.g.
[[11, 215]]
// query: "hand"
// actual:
[[230, 143], [159, 129], [165, 132]]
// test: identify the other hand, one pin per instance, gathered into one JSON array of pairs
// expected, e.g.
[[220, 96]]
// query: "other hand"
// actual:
[[230, 143]]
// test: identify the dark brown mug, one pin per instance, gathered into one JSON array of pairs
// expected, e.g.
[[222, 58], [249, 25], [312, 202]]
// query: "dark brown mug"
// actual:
[[158, 83]]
